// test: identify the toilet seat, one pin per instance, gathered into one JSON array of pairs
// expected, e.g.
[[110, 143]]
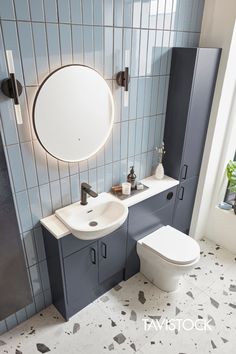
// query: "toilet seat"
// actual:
[[172, 245]]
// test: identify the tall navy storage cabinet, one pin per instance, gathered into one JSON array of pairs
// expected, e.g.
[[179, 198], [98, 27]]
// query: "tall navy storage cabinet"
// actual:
[[192, 82], [14, 283]]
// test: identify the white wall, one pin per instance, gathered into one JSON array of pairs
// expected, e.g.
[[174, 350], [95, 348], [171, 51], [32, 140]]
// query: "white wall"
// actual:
[[217, 31]]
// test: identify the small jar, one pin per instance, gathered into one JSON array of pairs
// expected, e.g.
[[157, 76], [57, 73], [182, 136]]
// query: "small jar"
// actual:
[[126, 188]]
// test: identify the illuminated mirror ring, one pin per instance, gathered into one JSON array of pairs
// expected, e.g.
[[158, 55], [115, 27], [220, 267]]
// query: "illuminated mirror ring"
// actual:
[[73, 113]]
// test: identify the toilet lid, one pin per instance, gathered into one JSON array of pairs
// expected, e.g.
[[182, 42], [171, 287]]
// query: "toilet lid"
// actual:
[[172, 245]]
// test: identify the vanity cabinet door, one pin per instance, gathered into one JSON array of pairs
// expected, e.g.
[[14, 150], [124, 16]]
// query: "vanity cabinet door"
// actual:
[[81, 277], [112, 253], [184, 204]]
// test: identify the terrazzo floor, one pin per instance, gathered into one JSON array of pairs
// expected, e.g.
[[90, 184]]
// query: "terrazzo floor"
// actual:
[[116, 321]]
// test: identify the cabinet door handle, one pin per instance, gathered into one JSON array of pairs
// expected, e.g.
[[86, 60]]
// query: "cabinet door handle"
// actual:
[[93, 255], [184, 171], [104, 250], [181, 193]]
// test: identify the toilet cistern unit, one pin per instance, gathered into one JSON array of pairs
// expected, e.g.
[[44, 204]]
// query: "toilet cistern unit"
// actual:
[[165, 255]]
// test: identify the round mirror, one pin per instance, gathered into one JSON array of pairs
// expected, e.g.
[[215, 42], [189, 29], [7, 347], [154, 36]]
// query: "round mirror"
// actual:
[[73, 113]]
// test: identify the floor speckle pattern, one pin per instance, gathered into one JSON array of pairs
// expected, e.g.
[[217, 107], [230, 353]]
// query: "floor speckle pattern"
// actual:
[[116, 321]]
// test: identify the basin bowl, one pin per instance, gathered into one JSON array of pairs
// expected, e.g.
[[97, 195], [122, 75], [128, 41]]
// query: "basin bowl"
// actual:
[[100, 217]]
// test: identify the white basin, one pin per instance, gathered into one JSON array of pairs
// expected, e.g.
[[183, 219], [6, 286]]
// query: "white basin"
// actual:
[[100, 217]]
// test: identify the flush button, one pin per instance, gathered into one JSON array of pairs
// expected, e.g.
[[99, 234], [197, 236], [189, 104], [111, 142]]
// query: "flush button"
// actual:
[[170, 195]]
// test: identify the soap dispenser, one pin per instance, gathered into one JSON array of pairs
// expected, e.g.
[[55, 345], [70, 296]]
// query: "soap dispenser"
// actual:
[[131, 178]]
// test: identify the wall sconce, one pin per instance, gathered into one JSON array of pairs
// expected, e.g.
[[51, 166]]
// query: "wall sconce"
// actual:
[[11, 87], [122, 78]]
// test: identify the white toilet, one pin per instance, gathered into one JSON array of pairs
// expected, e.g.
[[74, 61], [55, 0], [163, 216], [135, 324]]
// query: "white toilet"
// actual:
[[165, 255]]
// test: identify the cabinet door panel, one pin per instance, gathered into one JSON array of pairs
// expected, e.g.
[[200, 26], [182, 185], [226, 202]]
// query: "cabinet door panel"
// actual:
[[184, 204], [199, 110], [71, 244], [112, 253], [81, 275], [136, 231]]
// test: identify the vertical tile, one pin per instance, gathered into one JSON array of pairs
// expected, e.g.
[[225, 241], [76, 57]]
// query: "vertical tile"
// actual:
[[88, 46], [93, 178], [77, 44], [108, 12], [30, 92], [108, 49], [138, 136], [29, 164], [36, 10], [35, 205], [92, 162], [75, 188], [98, 49], [83, 177], [127, 43], [30, 310], [11, 42], [56, 195], [7, 11], [147, 96], [66, 47], [145, 134], [140, 97], [108, 177], [41, 163], [76, 11], [50, 9], [168, 13], [53, 46], [108, 150], [145, 13], [101, 157], [128, 15], [161, 14], [39, 243], [40, 46], [11, 322], [3, 327], [100, 179], [116, 142], [98, 12], [73, 168], [28, 239], [63, 11], [137, 6], [143, 165], [124, 140], [154, 96], [157, 53], [133, 89], [143, 52], [165, 51], [151, 134], [65, 191], [27, 53], [135, 52], [161, 93], [149, 163], [35, 279], [118, 66], [39, 302], [87, 8], [199, 14], [116, 173], [52, 168], [123, 170], [22, 10], [46, 200], [83, 166], [118, 13], [151, 52], [24, 211], [16, 166], [153, 14], [131, 139]]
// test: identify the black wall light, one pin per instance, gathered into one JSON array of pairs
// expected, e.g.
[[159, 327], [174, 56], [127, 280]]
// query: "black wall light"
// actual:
[[122, 78], [11, 87]]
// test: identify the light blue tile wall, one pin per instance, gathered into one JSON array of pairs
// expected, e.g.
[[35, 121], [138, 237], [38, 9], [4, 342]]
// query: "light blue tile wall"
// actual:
[[47, 34]]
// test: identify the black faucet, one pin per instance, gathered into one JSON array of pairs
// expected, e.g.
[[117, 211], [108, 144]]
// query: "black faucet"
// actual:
[[86, 189]]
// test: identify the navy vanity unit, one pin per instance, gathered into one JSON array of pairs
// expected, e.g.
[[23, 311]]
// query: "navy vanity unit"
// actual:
[[192, 82], [82, 270]]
